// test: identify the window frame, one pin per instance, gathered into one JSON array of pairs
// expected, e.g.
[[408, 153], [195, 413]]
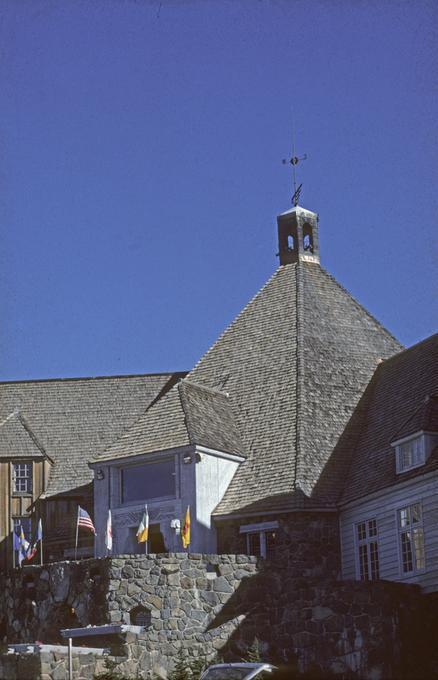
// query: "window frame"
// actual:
[[367, 541], [400, 530], [28, 491], [144, 463], [261, 530], [17, 522], [421, 457]]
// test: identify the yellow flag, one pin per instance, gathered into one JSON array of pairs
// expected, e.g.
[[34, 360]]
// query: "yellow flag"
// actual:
[[143, 528], [185, 535]]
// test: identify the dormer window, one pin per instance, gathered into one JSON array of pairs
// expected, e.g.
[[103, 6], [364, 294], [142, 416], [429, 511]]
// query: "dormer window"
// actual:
[[410, 453]]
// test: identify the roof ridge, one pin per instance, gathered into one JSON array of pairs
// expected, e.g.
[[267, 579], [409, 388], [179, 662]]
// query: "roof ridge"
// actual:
[[358, 304], [161, 395], [206, 388], [92, 377], [299, 368], [239, 315], [186, 411], [32, 435], [13, 413]]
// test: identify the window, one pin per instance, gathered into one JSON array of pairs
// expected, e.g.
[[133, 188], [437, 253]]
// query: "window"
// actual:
[[410, 526], [22, 478], [367, 550], [261, 539], [26, 523], [151, 480], [410, 454]]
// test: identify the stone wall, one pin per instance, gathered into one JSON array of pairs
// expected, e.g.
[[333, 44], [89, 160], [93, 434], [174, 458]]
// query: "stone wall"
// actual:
[[208, 605], [306, 542], [50, 664]]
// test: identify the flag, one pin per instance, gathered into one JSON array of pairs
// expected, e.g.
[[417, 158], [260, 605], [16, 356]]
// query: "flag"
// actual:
[[109, 532], [23, 546], [84, 520], [16, 540], [143, 527], [185, 534], [31, 551]]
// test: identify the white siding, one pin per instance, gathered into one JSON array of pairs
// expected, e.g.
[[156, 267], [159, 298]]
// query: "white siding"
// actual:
[[384, 508], [213, 475]]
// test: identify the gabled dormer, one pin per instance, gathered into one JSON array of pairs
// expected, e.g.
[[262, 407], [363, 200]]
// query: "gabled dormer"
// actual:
[[416, 439]]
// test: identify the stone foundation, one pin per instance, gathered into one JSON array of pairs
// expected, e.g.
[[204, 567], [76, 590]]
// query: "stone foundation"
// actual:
[[306, 542], [208, 605]]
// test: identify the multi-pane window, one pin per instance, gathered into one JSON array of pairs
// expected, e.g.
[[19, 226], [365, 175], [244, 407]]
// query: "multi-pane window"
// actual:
[[410, 524], [368, 550], [22, 477], [410, 454], [261, 543]]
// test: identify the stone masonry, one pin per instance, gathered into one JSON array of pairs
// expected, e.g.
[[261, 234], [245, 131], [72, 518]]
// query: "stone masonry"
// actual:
[[209, 605]]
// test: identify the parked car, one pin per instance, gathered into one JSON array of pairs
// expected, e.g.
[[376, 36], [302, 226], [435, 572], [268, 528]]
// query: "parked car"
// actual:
[[238, 671]]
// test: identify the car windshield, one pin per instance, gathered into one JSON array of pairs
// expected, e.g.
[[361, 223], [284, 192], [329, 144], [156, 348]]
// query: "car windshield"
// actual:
[[226, 674]]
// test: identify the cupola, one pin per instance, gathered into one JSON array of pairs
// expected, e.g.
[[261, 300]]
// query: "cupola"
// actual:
[[298, 236]]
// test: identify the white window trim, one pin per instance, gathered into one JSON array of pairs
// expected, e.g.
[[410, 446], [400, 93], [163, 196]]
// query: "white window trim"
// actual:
[[357, 543], [158, 499], [398, 453], [260, 528], [28, 478], [415, 571]]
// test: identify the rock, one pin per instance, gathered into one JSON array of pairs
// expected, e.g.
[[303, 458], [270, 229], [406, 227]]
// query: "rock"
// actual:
[[221, 585], [321, 613], [127, 571], [60, 672]]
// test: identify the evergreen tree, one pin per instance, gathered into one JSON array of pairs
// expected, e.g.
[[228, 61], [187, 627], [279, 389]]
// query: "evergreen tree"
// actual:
[[253, 654], [197, 666], [180, 671]]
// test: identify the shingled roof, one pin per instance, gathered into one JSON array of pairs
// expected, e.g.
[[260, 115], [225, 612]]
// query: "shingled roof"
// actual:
[[74, 419], [295, 363], [403, 392], [17, 438], [188, 414]]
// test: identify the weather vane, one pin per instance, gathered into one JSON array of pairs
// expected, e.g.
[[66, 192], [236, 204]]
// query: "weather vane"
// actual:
[[294, 160]]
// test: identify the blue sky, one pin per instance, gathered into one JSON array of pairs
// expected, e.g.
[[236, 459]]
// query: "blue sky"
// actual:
[[140, 174]]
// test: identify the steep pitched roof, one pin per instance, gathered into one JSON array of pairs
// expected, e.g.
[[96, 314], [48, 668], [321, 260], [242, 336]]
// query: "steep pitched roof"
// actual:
[[73, 419], [187, 414], [396, 396], [295, 363], [424, 418], [17, 439]]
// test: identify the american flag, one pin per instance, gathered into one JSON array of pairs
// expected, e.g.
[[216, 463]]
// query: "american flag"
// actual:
[[84, 520]]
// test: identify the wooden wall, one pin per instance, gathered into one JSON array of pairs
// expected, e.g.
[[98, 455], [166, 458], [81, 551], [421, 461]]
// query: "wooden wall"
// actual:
[[383, 507], [18, 504]]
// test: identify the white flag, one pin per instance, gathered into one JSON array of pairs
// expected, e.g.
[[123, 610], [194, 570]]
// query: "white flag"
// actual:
[[109, 532]]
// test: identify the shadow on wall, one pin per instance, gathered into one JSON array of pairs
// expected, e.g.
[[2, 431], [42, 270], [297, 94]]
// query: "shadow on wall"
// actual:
[[73, 595], [338, 628]]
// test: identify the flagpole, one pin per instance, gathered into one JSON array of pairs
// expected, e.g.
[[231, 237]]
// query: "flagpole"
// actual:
[[13, 544], [77, 532], [147, 539]]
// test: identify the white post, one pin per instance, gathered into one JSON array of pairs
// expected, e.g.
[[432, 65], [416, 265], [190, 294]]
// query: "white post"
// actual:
[[70, 659]]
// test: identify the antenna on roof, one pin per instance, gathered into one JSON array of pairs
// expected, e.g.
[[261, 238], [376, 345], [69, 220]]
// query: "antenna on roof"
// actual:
[[294, 160]]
